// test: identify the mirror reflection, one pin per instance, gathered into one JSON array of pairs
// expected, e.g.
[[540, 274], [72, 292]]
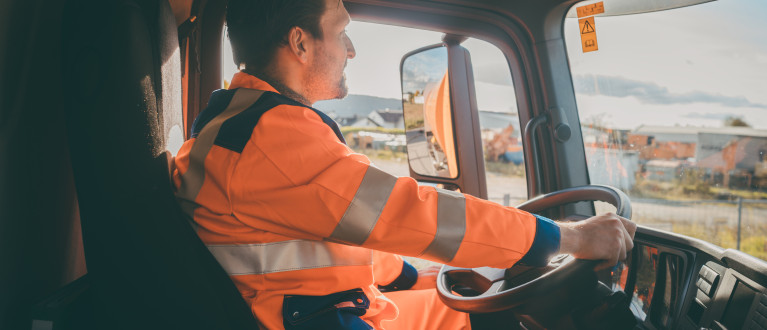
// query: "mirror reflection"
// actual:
[[428, 118]]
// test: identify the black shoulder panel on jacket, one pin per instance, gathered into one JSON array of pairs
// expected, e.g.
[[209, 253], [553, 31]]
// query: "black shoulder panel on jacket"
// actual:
[[236, 131], [218, 102]]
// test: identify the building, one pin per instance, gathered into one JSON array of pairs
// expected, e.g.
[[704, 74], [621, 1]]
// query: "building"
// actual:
[[706, 141], [381, 118], [731, 156]]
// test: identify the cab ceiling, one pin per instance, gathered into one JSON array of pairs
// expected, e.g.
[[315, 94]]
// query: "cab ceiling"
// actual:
[[540, 19], [436, 14]]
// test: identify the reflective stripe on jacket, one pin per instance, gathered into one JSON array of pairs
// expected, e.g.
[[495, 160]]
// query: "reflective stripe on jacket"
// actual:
[[288, 209]]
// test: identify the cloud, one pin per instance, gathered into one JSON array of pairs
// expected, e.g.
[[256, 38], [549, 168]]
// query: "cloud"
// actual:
[[423, 68], [490, 73], [716, 116], [651, 93]]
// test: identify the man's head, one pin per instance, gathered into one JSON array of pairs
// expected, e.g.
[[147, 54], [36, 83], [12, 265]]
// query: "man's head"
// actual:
[[299, 44]]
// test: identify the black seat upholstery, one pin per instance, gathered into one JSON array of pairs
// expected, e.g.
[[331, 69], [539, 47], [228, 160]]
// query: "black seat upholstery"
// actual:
[[147, 267]]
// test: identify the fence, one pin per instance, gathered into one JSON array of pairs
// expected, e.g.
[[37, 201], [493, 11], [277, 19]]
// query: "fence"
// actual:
[[739, 224], [725, 223]]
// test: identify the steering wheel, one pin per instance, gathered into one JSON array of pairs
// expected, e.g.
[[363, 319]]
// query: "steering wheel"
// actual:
[[486, 289]]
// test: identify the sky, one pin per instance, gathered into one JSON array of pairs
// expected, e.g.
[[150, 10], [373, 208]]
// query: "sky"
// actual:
[[691, 66], [375, 69]]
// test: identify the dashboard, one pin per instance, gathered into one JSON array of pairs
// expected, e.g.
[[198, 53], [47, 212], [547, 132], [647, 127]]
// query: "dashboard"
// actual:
[[676, 282]]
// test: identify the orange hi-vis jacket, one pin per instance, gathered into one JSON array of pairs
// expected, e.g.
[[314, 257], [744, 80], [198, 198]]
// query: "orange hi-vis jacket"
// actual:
[[289, 211]]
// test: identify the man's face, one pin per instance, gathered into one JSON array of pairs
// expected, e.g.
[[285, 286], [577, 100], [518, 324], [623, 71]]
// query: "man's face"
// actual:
[[326, 78]]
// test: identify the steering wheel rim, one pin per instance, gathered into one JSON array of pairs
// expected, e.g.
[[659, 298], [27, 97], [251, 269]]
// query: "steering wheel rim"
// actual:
[[500, 293]]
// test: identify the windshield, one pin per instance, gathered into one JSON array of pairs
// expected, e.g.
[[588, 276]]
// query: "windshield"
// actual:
[[673, 109]]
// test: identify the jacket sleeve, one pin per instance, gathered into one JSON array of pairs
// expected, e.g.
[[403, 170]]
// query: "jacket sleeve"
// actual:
[[392, 273], [337, 195]]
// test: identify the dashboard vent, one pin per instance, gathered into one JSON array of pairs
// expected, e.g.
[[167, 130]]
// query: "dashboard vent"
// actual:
[[707, 280], [706, 284], [759, 316]]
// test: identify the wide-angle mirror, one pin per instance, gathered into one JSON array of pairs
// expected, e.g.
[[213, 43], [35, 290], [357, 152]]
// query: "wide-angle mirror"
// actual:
[[427, 112], [631, 7]]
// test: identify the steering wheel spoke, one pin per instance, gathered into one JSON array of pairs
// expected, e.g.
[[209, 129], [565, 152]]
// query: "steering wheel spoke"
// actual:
[[494, 289], [491, 274], [478, 280]]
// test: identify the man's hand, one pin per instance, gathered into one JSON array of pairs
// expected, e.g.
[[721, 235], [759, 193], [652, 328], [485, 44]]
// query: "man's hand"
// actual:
[[427, 278], [607, 237]]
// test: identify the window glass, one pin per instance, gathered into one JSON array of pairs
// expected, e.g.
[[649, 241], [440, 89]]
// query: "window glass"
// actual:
[[674, 112], [228, 68], [499, 123]]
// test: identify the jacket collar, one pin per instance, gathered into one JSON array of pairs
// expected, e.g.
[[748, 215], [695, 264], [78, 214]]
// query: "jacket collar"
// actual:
[[244, 80]]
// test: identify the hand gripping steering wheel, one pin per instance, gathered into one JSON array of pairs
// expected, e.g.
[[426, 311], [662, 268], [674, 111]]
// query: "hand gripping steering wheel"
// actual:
[[529, 289]]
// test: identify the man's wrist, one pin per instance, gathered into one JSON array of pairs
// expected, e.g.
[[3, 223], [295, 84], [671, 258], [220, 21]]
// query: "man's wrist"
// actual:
[[569, 239]]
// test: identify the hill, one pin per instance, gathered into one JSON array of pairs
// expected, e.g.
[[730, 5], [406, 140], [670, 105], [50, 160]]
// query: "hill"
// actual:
[[360, 105]]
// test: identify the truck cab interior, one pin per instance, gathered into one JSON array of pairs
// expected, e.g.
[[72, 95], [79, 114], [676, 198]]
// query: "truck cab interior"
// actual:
[[91, 236]]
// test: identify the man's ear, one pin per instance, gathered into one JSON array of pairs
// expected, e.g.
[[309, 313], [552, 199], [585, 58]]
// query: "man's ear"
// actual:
[[298, 42]]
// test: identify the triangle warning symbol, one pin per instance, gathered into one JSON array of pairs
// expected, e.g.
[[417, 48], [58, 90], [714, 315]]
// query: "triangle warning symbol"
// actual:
[[587, 28]]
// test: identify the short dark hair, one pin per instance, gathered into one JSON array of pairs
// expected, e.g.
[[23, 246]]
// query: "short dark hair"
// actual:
[[257, 28]]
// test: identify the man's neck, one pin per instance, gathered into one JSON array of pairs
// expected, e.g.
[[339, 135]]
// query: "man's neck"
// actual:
[[279, 86]]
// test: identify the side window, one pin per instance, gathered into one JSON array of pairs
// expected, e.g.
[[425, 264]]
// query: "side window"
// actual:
[[499, 123], [228, 68], [673, 111]]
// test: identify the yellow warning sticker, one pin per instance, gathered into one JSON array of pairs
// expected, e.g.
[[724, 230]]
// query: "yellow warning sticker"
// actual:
[[591, 10], [588, 34]]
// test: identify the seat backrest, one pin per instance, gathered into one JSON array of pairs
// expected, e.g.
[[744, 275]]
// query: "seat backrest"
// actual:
[[147, 267]]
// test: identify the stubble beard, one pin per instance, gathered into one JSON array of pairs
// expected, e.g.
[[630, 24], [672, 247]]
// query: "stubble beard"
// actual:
[[329, 81], [343, 89], [327, 89]]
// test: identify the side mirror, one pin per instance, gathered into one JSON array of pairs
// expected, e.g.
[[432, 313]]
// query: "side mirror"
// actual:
[[427, 111], [444, 141]]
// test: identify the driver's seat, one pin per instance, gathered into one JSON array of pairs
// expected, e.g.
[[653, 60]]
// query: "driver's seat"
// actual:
[[146, 266]]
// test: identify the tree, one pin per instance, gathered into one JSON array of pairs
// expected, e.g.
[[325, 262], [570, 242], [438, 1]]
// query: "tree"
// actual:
[[733, 121]]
